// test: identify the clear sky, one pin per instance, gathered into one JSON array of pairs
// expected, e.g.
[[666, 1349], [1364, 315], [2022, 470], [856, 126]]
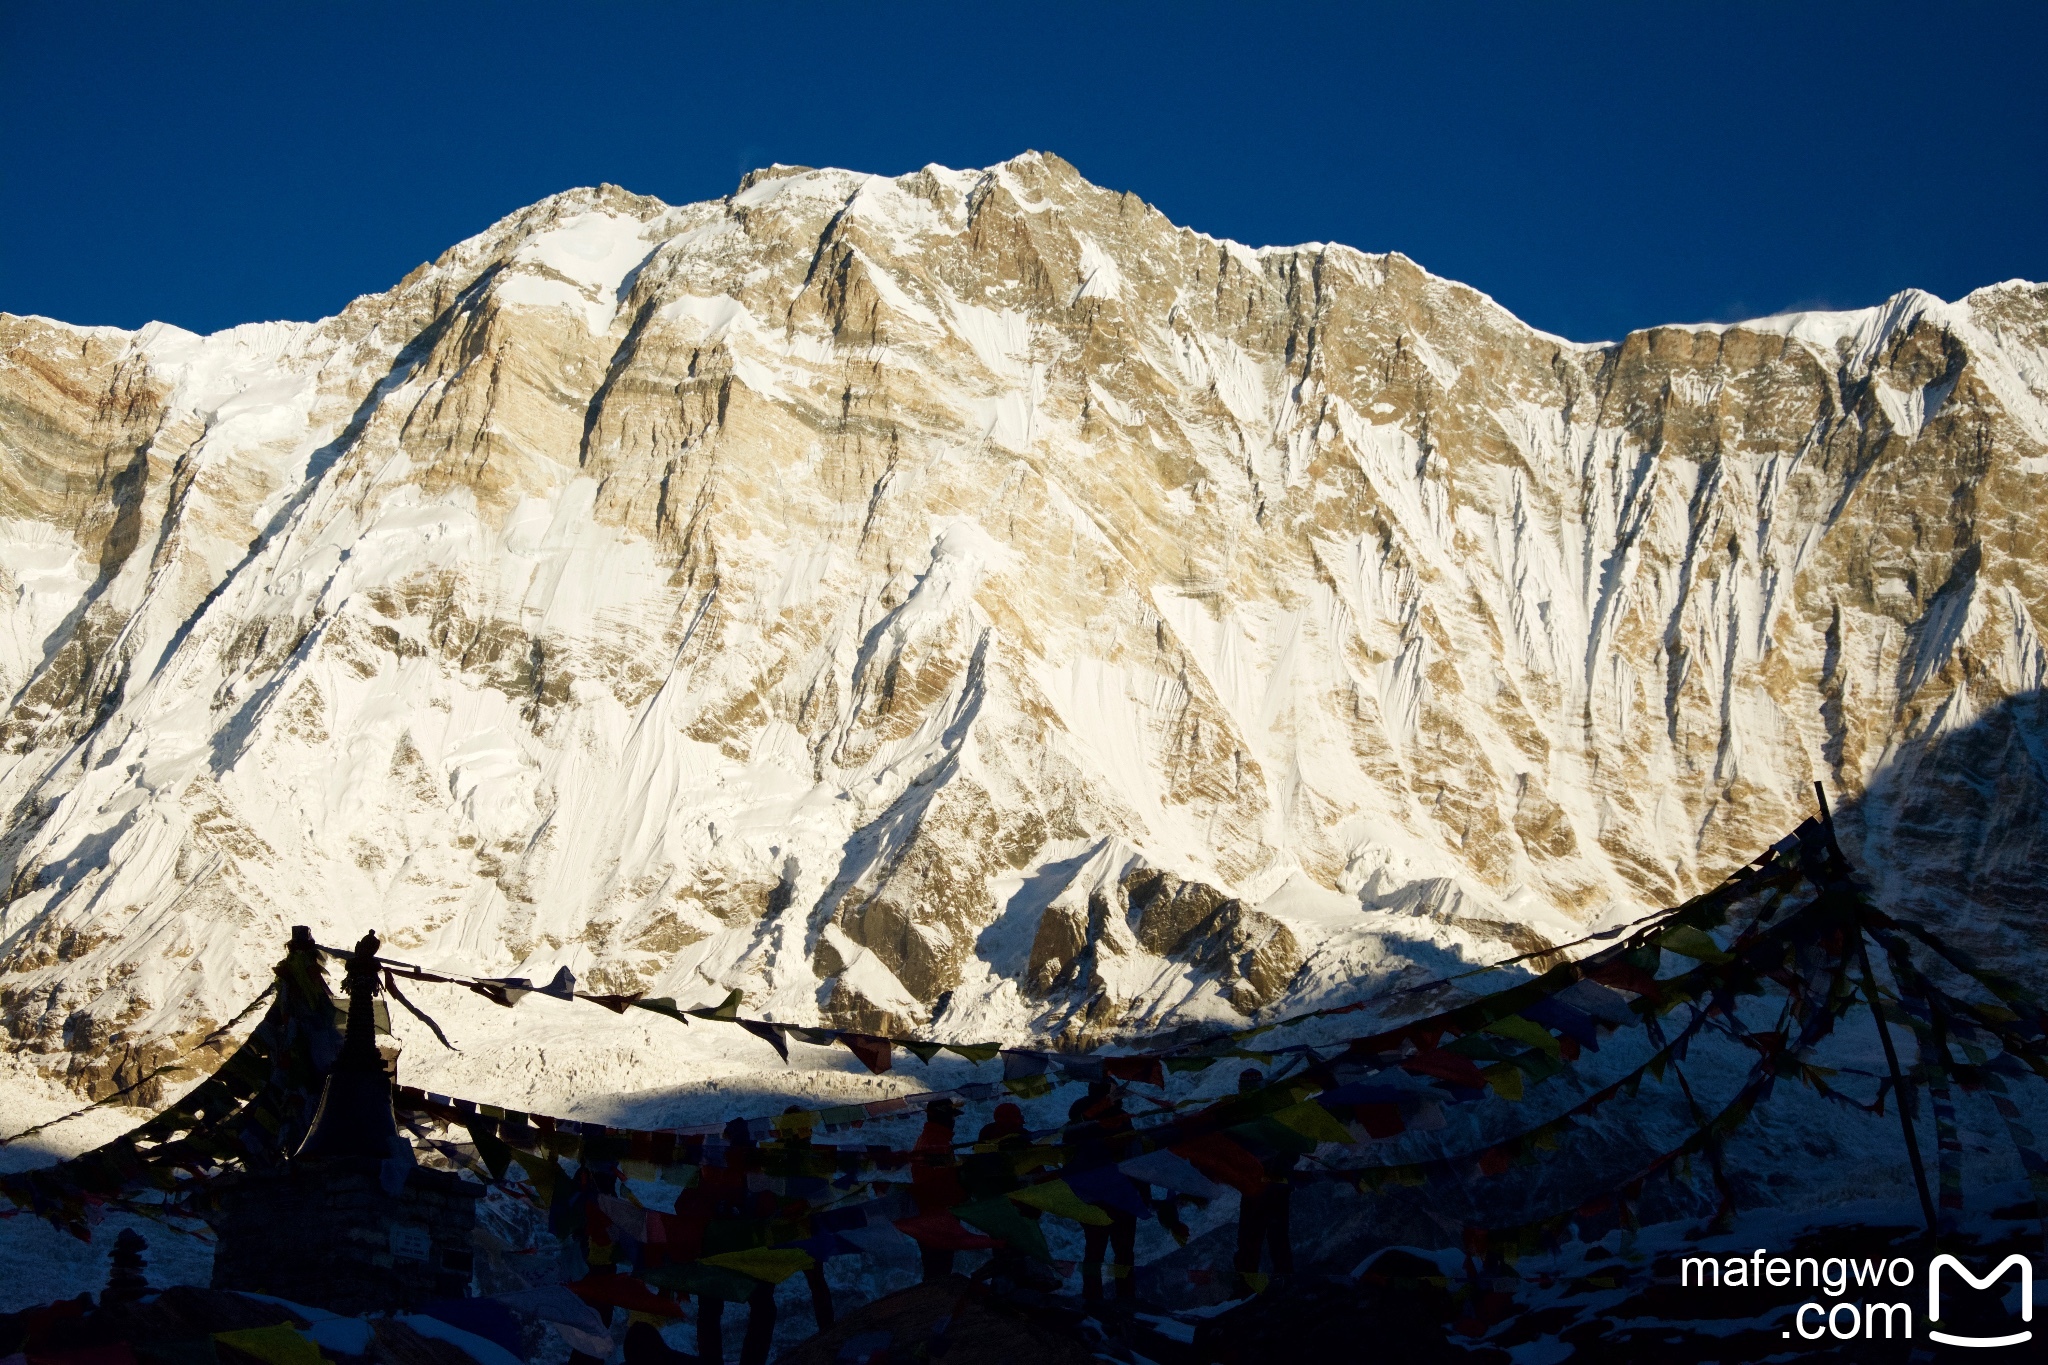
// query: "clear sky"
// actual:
[[1594, 167]]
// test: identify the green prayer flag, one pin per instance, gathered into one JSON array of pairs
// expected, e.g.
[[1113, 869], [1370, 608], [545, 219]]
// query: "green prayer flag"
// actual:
[[998, 1217], [725, 1011], [695, 1277], [975, 1052], [664, 1005], [1535, 1065], [1690, 942], [1266, 1132], [543, 1174]]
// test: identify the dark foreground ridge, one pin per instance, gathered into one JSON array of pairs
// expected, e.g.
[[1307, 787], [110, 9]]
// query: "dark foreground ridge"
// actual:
[[293, 1154]]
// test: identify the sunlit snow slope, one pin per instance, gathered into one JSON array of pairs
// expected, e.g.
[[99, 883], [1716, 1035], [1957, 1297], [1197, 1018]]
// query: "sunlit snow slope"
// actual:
[[971, 602]]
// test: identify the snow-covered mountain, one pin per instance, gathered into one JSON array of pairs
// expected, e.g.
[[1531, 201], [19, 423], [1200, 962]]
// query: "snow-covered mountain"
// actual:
[[971, 602]]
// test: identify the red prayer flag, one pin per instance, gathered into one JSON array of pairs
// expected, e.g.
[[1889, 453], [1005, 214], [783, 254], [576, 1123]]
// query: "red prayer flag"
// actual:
[[1381, 1120], [1217, 1157], [623, 1291], [1448, 1065], [874, 1053], [944, 1231], [1624, 976], [116, 1354], [1143, 1070]]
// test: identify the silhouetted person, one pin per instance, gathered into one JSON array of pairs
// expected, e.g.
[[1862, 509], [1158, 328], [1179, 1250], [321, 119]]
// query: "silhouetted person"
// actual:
[[814, 1275], [759, 1335], [725, 1191], [1262, 1220], [644, 1346], [760, 1326], [935, 1182], [1097, 1135], [991, 1173]]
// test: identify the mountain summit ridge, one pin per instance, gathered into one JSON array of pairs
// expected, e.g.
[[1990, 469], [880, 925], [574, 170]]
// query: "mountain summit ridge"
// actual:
[[968, 601]]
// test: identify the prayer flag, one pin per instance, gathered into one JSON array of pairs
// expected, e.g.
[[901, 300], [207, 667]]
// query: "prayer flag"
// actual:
[[816, 1037], [507, 990], [942, 1230], [663, 1005], [1311, 1120], [770, 1034], [726, 1011], [999, 1218], [1381, 1120], [1524, 1031], [1142, 1070], [624, 1291], [1058, 1198], [1107, 1187], [770, 1264], [1219, 1158], [1176, 1173], [279, 1345], [1447, 1066], [874, 1053], [695, 1277], [1608, 1006], [1690, 942]]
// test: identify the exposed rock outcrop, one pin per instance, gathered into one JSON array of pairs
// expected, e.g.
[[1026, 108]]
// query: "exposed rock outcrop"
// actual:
[[969, 600]]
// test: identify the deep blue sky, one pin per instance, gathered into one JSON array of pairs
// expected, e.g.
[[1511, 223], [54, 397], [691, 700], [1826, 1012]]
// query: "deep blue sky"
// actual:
[[1594, 167]]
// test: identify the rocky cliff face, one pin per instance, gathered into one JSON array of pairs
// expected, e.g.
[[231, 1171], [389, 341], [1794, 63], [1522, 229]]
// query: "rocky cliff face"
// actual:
[[970, 601]]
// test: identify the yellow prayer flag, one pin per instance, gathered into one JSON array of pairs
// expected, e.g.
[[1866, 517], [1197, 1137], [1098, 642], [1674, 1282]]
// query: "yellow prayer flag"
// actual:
[[279, 1345], [1057, 1197], [772, 1264], [1524, 1031], [1506, 1080], [1313, 1121]]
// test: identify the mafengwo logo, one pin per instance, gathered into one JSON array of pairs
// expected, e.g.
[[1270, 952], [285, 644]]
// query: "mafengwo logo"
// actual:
[[1855, 1316], [1942, 1262]]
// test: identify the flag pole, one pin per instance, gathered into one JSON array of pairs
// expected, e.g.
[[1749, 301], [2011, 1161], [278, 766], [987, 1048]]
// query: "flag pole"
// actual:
[[1840, 868]]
